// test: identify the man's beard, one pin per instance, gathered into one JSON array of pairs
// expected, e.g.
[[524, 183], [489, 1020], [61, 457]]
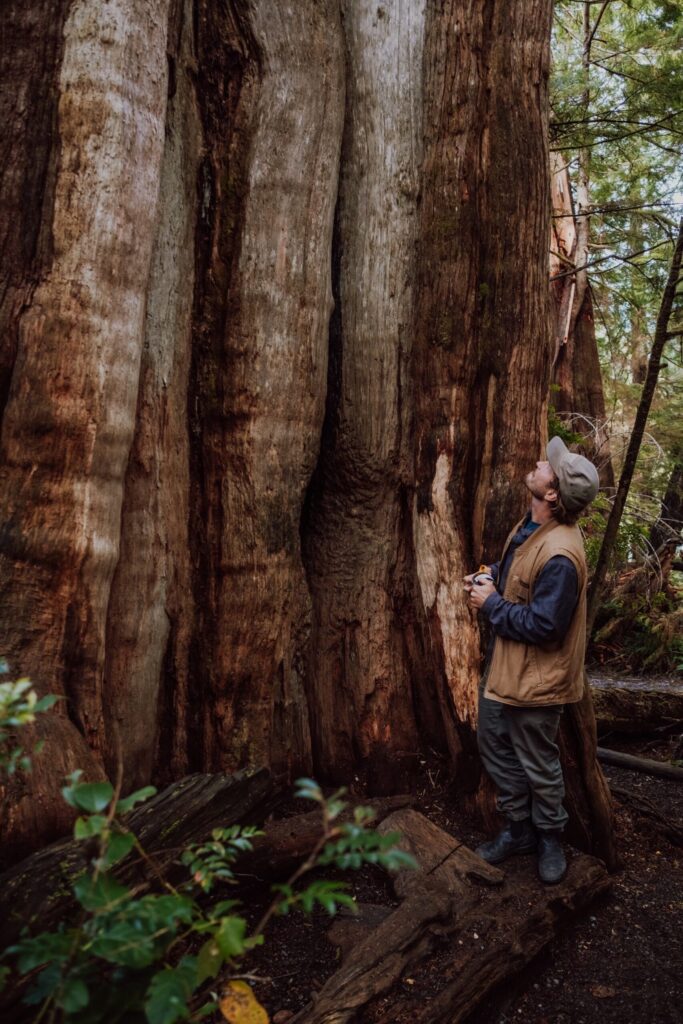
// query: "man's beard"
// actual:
[[535, 491]]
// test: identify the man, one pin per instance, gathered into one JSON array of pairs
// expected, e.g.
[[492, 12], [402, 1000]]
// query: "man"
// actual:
[[537, 613]]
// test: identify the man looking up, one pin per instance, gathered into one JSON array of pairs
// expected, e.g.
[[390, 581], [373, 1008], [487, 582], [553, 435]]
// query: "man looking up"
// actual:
[[537, 613]]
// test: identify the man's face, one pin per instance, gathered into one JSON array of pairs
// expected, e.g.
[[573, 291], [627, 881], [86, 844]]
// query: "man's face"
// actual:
[[540, 480]]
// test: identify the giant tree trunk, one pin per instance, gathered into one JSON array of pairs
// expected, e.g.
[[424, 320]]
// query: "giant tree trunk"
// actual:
[[234, 534]]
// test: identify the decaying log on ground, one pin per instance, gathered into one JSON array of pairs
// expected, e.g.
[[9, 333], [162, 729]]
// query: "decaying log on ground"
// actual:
[[494, 940], [285, 843], [628, 710], [473, 937], [640, 764], [671, 830], [440, 855], [39, 888], [402, 939]]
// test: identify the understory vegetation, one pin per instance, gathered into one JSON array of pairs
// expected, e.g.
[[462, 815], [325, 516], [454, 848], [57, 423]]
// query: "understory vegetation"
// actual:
[[165, 952]]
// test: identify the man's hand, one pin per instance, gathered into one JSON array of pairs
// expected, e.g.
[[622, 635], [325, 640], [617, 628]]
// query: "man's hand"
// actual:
[[468, 582], [479, 592]]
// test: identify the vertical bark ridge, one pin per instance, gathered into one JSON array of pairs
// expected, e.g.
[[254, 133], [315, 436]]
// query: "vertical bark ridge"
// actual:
[[30, 62], [481, 323], [150, 612], [69, 418], [360, 689], [262, 308]]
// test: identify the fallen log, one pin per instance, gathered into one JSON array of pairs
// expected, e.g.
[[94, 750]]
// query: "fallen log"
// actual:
[[285, 843], [402, 939], [477, 936], [440, 855], [632, 711], [493, 941], [639, 764], [39, 888]]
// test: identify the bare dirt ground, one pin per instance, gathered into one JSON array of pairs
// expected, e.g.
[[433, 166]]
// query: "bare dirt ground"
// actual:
[[621, 962]]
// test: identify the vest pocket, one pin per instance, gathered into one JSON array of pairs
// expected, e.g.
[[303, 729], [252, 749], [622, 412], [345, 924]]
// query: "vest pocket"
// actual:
[[530, 683]]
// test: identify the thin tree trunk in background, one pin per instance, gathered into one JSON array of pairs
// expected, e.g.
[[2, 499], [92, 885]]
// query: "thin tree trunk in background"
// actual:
[[669, 527], [635, 441], [70, 412]]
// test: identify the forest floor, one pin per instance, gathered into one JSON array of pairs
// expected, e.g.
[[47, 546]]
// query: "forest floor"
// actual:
[[621, 961]]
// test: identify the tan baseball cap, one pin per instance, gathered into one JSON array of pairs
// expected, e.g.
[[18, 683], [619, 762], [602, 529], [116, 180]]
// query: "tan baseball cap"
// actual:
[[579, 482]]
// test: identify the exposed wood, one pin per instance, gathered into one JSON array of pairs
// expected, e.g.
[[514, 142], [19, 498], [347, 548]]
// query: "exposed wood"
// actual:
[[640, 764], [440, 855], [668, 827], [498, 938], [576, 376], [400, 941], [626, 710], [38, 890], [481, 319]]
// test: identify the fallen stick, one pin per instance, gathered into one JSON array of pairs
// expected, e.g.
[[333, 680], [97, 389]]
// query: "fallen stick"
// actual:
[[671, 830], [639, 764]]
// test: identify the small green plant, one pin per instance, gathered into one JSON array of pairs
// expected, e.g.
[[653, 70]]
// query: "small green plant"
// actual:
[[127, 956], [19, 705]]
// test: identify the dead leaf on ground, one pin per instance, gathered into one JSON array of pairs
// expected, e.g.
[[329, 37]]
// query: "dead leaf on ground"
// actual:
[[239, 1005]]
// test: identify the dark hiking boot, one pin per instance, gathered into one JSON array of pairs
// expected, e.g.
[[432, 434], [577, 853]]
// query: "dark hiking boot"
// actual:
[[516, 837], [552, 863]]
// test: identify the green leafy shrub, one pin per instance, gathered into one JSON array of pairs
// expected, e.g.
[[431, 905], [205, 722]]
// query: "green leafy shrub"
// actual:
[[125, 958], [19, 705]]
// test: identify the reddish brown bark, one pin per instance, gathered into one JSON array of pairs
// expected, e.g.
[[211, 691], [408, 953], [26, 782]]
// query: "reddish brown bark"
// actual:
[[481, 323], [272, 91]]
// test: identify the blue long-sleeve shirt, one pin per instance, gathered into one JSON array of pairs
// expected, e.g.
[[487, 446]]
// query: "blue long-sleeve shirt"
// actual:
[[548, 615]]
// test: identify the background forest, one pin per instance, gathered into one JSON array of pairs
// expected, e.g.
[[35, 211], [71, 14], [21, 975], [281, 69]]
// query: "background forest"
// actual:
[[616, 102]]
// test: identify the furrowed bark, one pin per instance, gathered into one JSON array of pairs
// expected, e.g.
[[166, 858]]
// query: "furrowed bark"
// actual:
[[271, 94], [150, 612], [68, 422], [357, 541], [481, 318]]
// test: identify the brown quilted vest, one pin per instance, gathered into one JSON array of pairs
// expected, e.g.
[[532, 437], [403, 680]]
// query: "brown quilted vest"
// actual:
[[549, 673]]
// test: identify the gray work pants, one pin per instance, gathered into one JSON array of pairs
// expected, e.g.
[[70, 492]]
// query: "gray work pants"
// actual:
[[519, 752]]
